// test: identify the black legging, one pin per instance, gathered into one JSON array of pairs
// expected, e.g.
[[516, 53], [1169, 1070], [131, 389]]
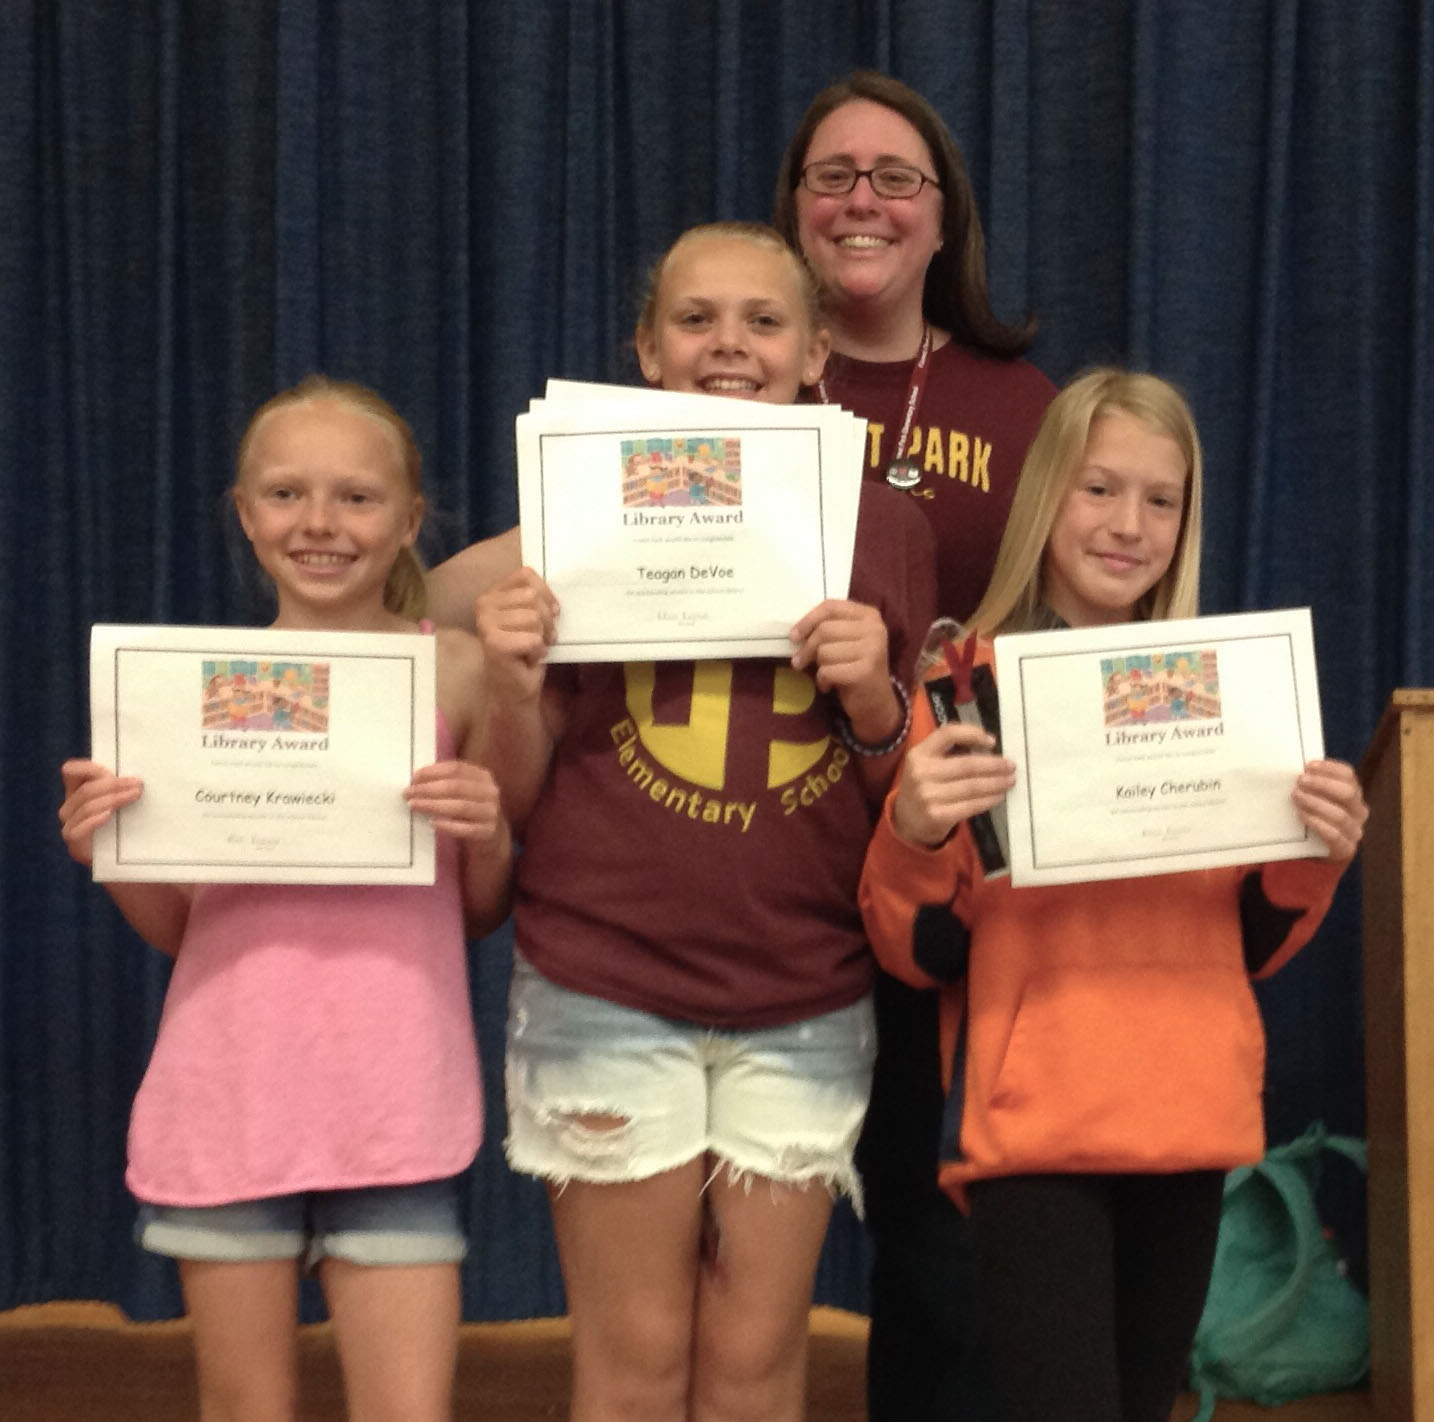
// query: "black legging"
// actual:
[[925, 1361], [1092, 1287]]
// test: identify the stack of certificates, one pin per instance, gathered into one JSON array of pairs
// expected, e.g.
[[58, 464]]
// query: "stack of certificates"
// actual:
[[673, 525]]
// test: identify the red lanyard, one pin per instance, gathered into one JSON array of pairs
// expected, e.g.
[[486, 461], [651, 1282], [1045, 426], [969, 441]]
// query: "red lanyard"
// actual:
[[901, 472], [959, 664]]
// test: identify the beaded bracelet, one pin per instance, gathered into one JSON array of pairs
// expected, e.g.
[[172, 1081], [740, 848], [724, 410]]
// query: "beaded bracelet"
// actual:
[[841, 725]]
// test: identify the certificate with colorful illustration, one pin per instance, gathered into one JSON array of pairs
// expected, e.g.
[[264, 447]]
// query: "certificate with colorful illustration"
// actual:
[[672, 525], [266, 756], [1153, 747]]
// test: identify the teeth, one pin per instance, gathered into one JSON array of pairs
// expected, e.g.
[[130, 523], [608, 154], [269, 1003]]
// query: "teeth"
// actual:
[[322, 560], [726, 382], [864, 241]]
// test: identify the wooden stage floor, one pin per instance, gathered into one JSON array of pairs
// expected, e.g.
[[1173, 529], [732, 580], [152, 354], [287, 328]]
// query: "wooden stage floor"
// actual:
[[84, 1362]]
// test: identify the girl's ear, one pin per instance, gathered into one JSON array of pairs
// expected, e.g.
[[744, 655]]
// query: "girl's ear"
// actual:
[[241, 507], [647, 361], [415, 520], [819, 347]]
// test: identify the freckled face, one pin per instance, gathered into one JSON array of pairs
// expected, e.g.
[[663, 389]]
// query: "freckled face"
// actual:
[[729, 319], [870, 251], [326, 505], [1119, 524]]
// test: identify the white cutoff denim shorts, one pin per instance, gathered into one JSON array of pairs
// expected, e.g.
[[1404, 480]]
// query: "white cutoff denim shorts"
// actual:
[[782, 1103], [382, 1224]]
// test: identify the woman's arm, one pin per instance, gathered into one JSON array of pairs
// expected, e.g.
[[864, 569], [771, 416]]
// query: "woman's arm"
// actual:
[[455, 585]]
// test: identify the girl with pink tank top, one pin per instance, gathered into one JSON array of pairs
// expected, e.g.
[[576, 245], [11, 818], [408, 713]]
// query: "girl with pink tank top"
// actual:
[[314, 1086]]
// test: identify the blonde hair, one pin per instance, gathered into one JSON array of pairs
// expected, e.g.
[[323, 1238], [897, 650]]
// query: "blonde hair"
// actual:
[[404, 592], [1015, 592], [755, 232]]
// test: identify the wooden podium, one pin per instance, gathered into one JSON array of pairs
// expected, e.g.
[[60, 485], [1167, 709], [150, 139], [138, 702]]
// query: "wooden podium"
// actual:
[[1398, 869]]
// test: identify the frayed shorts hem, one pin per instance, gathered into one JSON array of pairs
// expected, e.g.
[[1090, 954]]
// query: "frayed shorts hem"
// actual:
[[836, 1181], [606, 1094]]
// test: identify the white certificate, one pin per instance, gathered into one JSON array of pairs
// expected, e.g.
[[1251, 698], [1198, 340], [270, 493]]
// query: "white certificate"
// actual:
[[675, 526], [1153, 747], [267, 756]]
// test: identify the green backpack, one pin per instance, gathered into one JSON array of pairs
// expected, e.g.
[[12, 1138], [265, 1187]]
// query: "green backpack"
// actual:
[[1281, 1319]]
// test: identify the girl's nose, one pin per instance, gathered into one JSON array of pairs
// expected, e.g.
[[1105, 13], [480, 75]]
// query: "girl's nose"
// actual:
[[729, 333], [1125, 516], [319, 515], [1124, 520]]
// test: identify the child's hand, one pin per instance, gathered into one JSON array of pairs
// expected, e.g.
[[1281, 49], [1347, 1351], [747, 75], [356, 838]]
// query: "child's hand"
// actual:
[[947, 778], [1328, 800], [844, 646], [93, 792], [460, 797], [517, 622]]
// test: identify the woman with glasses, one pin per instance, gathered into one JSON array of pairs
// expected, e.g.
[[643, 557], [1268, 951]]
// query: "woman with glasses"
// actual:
[[874, 191]]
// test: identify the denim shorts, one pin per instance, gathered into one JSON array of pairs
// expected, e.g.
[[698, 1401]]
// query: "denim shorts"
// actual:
[[384, 1224], [782, 1103]]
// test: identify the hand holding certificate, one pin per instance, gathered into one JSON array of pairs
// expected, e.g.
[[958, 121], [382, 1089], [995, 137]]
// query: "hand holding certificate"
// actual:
[[679, 525], [1151, 747], [266, 756]]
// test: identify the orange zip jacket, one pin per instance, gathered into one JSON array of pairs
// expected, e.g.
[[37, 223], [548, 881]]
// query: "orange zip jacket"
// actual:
[[1098, 1027]]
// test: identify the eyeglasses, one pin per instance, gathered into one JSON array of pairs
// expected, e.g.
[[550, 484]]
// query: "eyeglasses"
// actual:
[[888, 180]]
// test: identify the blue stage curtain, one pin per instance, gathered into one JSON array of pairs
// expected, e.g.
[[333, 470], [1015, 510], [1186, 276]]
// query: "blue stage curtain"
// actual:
[[201, 201]]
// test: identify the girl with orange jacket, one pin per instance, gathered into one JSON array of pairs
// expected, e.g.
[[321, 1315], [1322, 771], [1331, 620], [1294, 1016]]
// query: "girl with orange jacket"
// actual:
[[1101, 1044]]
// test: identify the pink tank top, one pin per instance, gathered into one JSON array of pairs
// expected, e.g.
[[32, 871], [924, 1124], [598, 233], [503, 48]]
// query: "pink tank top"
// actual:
[[314, 1037]]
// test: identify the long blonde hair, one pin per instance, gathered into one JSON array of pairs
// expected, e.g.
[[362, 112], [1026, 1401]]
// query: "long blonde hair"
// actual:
[[404, 592], [1015, 592]]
